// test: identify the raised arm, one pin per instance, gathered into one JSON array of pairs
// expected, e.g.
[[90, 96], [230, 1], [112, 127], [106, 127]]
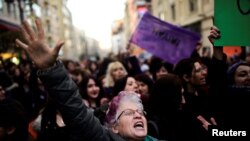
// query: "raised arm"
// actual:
[[81, 123], [215, 34]]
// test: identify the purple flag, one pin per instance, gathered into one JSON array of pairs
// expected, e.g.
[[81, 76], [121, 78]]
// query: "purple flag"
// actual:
[[164, 40]]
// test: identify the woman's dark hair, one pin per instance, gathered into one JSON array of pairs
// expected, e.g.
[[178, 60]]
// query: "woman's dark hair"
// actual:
[[157, 63], [132, 65], [103, 66], [119, 85], [185, 66], [90, 64], [166, 90], [147, 80], [83, 88]]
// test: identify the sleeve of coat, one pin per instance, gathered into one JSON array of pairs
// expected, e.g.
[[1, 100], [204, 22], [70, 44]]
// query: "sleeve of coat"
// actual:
[[61, 88]]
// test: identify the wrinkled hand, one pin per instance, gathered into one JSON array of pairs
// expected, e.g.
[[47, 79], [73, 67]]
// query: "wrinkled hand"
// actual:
[[214, 34], [205, 123], [37, 47]]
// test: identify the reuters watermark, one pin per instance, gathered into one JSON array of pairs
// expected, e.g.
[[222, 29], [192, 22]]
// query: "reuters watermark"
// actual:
[[228, 133]]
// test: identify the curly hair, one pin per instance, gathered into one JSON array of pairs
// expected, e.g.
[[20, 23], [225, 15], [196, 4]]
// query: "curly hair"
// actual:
[[123, 96]]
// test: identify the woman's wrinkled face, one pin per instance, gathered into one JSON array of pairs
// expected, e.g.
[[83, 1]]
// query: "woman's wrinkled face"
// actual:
[[117, 73], [242, 76], [199, 74], [92, 89], [143, 88], [131, 85], [131, 122]]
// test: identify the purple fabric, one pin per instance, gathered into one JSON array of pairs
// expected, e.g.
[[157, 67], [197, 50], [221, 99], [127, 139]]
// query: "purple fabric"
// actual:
[[169, 42]]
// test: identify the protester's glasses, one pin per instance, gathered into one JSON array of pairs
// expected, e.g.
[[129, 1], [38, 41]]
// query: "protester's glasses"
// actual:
[[131, 112]]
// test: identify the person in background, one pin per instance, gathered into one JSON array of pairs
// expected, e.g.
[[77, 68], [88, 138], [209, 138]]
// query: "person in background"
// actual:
[[247, 59], [165, 109], [114, 72], [159, 68], [127, 83], [233, 90], [94, 68], [197, 106], [91, 92], [145, 86]]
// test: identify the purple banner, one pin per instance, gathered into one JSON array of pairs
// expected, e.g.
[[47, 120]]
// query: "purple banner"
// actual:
[[164, 40]]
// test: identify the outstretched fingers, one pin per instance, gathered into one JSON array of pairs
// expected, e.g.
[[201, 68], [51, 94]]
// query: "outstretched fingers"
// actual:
[[39, 28], [25, 34], [21, 44], [58, 47], [29, 30]]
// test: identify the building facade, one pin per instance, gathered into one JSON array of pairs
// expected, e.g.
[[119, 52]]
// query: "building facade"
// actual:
[[56, 19], [11, 14], [195, 15]]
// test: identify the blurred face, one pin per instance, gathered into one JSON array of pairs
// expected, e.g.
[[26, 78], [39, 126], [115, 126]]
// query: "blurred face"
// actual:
[[117, 73], [70, 66], [93, 66], [143, 88], [198, 75], [247, 59], [131, 85], [2, 93], [242, 76], [131, 122], [163, 71], [76, 77], [17, 72], [26, 69], [92, 89]]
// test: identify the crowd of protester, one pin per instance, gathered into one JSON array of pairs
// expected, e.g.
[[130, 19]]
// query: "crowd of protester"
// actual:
[[40, 101]]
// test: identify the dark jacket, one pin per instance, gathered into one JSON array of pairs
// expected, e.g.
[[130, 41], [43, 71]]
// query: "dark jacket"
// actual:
[[82, 124]]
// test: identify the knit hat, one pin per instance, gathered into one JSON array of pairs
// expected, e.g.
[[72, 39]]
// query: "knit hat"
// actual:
[[231, 70]]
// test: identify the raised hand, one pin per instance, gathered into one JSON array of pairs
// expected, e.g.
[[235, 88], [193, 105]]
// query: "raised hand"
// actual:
[[37, 47], [214, 34]]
